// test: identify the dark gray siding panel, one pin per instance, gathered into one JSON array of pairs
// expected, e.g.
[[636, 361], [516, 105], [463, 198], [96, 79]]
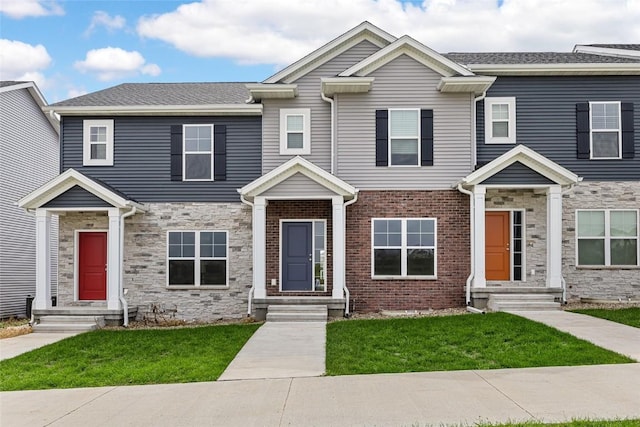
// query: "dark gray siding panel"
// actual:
[[546, 120], [142, 158], [77, 197], [517, 173]]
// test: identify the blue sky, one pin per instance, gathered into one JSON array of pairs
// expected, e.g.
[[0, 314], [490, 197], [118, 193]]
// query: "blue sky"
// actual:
[[71, 47]]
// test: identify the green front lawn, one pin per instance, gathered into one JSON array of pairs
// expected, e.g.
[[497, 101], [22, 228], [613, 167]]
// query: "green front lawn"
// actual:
[[490, 341], [576, 423], [627, 316], [124, 357]]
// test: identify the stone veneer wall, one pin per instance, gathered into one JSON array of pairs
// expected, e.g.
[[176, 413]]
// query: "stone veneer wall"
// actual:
[[597, 282], [145, 253], [534, 205], [451, 209]]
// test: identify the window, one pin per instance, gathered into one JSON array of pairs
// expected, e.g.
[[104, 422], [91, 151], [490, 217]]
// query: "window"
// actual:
[[500, 120], [197, 258], [404, 248], [198, 152], [97, 138], [606, 130], [404, 137], [607, 237], [295, 131]]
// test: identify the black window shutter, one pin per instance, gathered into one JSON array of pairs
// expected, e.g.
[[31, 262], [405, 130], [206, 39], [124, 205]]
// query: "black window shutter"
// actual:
[[628, 135], [382, 138], [219, 153], [582, 129], [176, 153], [426, 140]]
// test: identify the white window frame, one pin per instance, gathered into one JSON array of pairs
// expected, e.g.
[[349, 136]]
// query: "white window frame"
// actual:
[[488, 120], [418, 137], [87, 125], [196, 259], [306, 131], [618, 131], [403, 250], [185, 152], [607, 238]]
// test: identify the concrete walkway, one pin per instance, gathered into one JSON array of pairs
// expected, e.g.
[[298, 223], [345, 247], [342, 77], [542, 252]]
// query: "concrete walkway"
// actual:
[[12, 347], [613, 336], [424, 399], [281, 350]]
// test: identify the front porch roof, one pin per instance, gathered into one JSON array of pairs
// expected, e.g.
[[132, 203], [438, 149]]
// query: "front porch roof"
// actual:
[[69, 179], [292, 167], [528, 157]]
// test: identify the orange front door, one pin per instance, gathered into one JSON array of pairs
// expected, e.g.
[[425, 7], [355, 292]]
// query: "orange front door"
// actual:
[[497, 240], [92, 266]]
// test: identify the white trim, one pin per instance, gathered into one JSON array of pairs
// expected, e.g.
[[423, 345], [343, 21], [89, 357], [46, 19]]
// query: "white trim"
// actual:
[[87, 126], [184, 151], [76, 262], [196, 259], [554, 237], [172, 110], [474, 84], [601, 69], [489, 102], [306, 131], [592, 130], [259, 226], [607, 51], [42, 299], [313, 257], [479, 230], [607, 238], [334, 85], [403, 250], [406, 45], [418, 137]]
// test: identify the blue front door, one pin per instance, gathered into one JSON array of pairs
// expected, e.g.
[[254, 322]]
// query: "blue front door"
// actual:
[[297, 256]]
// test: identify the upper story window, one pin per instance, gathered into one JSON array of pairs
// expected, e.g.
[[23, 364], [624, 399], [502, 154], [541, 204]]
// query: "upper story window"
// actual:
[[295, 131], [97, 143], [606, 130], [198, 152], [607, 237], [500, 120], [404, 137]]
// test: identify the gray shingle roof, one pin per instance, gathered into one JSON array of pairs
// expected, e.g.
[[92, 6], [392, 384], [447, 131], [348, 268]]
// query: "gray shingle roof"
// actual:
[[504, 58], [130, 94], [5, 83]]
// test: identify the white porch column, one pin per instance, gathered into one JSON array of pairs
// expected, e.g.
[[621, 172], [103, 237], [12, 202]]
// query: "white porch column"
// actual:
[[554, 237], [113, 259], [479, 277], [338, 247], [42, 298], [259, 247]]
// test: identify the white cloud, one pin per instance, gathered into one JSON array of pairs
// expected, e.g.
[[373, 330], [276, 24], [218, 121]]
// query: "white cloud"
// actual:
[[22, 61], [282, 31], [111, 63], [103, 19], [19, 9]]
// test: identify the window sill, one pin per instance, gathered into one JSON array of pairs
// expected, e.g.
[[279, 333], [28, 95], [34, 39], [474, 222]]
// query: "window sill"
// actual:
[[607, 267], [192, 288], [404, 277], [500, 142]]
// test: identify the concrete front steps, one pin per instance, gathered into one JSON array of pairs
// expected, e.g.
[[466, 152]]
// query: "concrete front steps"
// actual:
[[297, 313], [65, 324], [522, 302]]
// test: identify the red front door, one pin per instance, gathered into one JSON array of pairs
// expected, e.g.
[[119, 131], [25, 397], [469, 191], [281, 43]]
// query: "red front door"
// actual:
[[498, 266], [92, 265]]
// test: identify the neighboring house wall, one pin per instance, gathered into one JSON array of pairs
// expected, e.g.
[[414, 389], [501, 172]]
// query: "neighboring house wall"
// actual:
[[309, 97], [546, 120], [403, 83], [29, 146], [142, 158]]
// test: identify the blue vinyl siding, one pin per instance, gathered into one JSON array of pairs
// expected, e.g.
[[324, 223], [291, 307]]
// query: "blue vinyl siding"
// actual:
[[77, 197], [142, 158], [517, 173], [546, 120]]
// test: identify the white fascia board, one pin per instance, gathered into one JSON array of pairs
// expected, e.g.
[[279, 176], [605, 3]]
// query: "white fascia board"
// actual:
[[556, 69], [173, 110], [408, 46], [607, 51], [260, 91], [364, 31], [528, 157], [475, 84], [333, 85], [291, 167]]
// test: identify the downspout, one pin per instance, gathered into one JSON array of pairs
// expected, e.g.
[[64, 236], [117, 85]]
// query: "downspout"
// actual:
[[472, 241], [331, 102], [253, 285], [123, 301], [347, 295]]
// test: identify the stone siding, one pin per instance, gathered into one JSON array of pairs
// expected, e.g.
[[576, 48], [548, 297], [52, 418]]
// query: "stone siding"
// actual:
[[611, 283]]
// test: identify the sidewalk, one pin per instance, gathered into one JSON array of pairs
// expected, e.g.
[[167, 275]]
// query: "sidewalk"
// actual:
[[12, 347], [436, 398]]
